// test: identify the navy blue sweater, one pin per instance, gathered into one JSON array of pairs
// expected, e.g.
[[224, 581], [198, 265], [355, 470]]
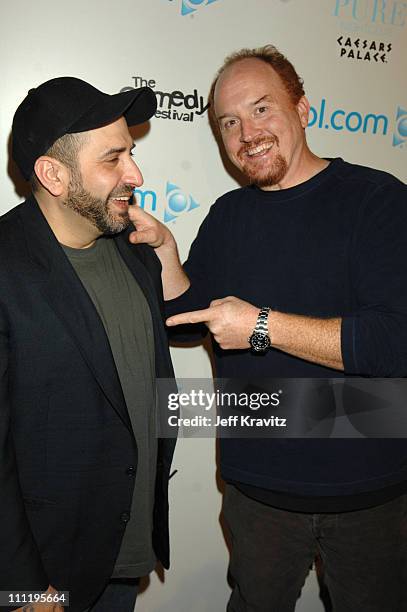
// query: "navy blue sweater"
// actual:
[[333, 246]]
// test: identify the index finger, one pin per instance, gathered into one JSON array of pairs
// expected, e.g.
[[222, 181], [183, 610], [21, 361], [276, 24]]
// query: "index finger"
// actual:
[[136, 213], [194, 316]]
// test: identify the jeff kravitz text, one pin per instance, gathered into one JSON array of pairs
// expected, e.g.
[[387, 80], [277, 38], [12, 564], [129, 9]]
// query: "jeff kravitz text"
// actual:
[[230, 421]]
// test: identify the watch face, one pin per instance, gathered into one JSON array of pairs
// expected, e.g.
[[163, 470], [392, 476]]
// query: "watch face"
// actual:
[[259, 342]]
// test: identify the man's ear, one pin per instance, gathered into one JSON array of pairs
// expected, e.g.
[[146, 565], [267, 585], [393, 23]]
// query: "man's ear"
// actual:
[[52, 174], [303, 108]]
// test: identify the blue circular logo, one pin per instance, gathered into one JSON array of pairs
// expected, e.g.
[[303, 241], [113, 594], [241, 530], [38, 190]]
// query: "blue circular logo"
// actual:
[[402, 127], [195, 2], [177, 202]]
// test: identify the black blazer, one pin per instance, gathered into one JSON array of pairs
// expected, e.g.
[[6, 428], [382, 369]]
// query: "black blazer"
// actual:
[[66, 440]]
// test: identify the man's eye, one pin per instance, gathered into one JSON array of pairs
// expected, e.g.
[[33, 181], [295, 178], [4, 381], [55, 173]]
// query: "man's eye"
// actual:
[[260, 110], [229, 124], [113, 160]]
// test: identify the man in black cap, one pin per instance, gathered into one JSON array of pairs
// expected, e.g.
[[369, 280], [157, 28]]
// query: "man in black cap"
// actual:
[[83, 475]]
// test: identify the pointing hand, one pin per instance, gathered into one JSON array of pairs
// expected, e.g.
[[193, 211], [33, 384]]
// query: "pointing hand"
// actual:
[[230, 320]]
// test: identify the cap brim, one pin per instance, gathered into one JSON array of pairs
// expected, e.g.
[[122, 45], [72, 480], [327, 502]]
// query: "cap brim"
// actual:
[[136, 105]]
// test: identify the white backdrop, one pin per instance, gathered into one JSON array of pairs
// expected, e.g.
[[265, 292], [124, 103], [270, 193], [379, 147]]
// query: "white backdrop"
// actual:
[[352, 55]]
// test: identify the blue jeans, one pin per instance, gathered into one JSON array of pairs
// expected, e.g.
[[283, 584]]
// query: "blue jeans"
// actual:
[[364, 555], [118, 596]]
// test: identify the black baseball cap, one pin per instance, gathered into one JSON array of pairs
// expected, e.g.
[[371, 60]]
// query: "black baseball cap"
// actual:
[[66, 105]]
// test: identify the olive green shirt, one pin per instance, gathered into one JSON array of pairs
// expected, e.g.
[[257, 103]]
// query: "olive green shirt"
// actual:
[[127, 320]]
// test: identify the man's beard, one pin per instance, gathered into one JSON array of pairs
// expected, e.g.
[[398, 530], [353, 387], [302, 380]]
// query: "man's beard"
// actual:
[[95, 209], [269, 175]]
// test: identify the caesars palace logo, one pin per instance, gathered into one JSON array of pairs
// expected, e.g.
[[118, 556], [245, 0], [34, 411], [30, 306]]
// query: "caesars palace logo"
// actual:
[[357, 48], [175, 105]]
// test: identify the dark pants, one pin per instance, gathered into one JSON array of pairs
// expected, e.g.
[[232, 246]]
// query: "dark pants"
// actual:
[[118, 596], [363, 553]]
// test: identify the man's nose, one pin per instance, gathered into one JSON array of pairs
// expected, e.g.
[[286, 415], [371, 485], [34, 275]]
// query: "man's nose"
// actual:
[[132, 174], [248, 130]]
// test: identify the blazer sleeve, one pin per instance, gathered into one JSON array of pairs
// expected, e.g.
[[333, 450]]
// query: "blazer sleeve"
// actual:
[[21, 568]]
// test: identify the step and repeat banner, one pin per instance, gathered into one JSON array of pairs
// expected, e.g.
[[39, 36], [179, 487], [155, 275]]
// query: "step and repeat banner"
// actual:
[[352, 55]]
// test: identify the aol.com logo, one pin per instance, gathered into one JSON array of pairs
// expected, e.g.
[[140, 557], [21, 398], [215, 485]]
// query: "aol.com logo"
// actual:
[[400, 132], [190, 6], [323, 116], [339, 119], [177, 203]]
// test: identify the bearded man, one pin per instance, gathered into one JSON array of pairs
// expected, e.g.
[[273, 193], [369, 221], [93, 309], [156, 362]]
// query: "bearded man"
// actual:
[[301, 274], [83, 476]]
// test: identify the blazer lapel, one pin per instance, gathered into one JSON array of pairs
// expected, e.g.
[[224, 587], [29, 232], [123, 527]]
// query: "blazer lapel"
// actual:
[[70, 301]]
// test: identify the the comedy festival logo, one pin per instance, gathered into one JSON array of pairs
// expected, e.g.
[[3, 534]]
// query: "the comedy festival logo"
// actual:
[[176, 105], [177, 202], [187, 7], [323, 116]]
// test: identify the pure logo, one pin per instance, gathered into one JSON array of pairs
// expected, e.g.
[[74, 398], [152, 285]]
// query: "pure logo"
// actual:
[[378, 12]]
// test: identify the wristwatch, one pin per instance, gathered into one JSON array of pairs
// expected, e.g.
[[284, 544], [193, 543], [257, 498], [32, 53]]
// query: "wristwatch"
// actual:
[[260, 339]]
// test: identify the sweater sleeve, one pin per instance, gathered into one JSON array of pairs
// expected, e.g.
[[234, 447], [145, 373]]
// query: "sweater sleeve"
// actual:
[[374, 334]]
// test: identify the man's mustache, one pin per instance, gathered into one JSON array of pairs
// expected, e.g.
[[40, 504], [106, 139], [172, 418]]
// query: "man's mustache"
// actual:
[[121, 191]]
